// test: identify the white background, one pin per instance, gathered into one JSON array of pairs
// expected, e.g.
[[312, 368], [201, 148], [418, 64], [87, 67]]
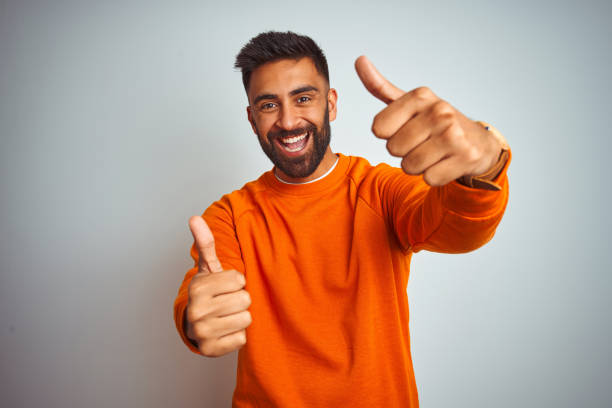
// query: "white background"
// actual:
[[120, 119]]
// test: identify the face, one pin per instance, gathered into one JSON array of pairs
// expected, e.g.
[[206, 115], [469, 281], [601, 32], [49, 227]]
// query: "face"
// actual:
[[291, 106]]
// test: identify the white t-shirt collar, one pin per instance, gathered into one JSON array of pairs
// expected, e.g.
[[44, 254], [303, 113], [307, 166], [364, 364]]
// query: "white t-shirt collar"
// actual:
[[311, 181]]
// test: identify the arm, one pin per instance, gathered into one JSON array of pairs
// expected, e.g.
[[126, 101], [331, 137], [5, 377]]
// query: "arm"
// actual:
[[459, 200], [452, 218]]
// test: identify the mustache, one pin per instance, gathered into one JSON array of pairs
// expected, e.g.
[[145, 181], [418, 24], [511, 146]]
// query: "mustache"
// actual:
[[293, 132]]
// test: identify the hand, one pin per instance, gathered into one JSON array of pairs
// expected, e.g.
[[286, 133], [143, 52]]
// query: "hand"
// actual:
[[216, 312], [432, 137]]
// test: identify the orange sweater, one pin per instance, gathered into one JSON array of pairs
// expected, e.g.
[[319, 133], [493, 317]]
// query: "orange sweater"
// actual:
[[327, 265]]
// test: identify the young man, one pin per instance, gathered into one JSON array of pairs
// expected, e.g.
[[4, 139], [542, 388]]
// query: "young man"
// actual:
[[304, 270]]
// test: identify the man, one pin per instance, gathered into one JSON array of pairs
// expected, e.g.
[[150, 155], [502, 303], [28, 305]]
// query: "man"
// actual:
[[304, 270]]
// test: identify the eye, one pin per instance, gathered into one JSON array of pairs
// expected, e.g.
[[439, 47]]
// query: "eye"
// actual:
[[267, 106], [303, 99]]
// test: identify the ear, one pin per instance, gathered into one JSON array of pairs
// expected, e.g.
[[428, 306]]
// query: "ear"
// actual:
[[251, 120], [332, 99]]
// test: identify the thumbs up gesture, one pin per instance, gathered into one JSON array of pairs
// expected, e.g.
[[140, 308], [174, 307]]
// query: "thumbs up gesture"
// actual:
[[216, 312], [432, 137]]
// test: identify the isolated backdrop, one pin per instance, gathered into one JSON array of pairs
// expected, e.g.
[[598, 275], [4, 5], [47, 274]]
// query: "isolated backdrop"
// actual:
[[120, 119]]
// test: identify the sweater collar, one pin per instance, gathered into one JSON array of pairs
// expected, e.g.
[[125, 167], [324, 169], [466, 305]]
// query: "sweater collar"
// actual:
[[311, 181], [330, 180]]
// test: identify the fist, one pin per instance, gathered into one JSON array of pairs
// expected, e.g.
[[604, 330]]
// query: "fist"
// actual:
[[216, 315], [429, 134]]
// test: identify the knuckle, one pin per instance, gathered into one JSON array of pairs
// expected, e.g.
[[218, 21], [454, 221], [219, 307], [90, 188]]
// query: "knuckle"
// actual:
[[248, 319], [208, 349], [448, 137], [238, 276], [422, 92], [452, 135], [241, 338], [472, 154], [442, 109], [202, 330], [193, 290], [197, 289], [191, 314], [392, 148], [406, 166], [246, 299], [431, 179], [378, 127]]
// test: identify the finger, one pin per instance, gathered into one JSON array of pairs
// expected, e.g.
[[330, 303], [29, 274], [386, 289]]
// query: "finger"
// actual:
[[423, 157], [203, 287], [205, 244], [444, 171], [231, 342], [443, 142], [231, 323], [374, 82], [389, 120], [410, 135], [230, 303]]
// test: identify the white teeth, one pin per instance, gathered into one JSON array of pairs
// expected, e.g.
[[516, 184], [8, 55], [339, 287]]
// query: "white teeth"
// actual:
[[293, 150], [294, 139]]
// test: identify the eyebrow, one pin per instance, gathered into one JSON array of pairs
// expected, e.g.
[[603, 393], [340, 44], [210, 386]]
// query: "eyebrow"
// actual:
[[306, 88], [299, 90]]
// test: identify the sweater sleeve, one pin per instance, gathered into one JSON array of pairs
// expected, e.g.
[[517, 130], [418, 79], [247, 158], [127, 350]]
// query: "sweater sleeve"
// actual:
[[220, 220], [453, 218]]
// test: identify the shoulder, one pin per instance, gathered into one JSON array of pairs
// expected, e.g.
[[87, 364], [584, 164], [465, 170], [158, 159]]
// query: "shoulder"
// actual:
[[382, 183], [358, 169], [362, 173], [239, 201]]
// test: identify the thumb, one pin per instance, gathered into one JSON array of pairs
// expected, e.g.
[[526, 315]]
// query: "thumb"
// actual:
[[205, 244], [374, 82]]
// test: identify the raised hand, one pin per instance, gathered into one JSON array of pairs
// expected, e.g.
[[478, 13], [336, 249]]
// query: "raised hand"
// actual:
[[432, 137], [216, 313]]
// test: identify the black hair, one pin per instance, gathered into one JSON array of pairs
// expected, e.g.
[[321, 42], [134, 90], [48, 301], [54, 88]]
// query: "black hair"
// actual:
[[274, 45]]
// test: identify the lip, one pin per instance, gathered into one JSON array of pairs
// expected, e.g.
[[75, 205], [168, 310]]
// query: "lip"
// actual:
[[300, 152]]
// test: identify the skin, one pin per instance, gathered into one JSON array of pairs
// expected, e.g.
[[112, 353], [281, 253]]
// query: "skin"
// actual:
[[216, 315], [433, 139], [276, 106]]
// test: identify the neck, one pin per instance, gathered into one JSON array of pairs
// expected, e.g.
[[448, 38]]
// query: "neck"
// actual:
[[328, 161]]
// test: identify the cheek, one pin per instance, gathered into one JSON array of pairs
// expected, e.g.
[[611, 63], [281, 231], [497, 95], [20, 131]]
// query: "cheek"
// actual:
[[263, 125], [262, 133], [314, 115]]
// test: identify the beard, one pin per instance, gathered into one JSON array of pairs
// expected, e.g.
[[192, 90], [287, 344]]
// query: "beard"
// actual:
[[305, 164]]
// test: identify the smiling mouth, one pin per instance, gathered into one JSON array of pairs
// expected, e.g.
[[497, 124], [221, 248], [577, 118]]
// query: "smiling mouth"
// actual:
[[294, 144]]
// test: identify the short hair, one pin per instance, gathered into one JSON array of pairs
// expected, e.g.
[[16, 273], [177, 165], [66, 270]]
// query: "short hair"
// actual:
[[274, 45]]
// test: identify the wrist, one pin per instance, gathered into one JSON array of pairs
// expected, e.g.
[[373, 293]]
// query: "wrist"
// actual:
[[485, 180]]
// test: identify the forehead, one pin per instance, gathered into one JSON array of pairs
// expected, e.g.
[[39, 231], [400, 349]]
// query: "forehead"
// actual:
[[282, 76]]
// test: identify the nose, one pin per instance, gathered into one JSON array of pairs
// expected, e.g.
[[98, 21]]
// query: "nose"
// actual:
[[288, 118]]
